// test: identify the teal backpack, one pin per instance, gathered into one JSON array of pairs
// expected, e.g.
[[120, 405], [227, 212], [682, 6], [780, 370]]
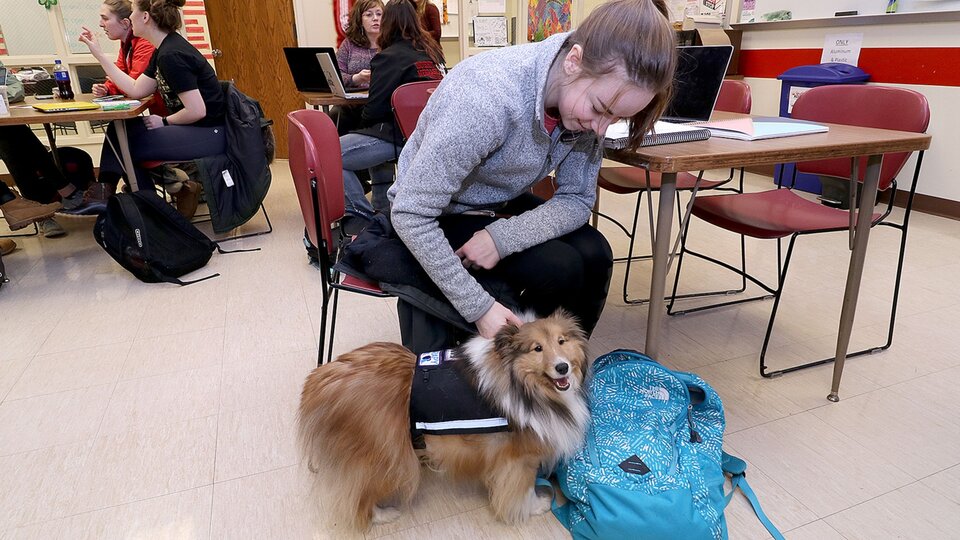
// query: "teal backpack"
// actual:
[[652, 466]]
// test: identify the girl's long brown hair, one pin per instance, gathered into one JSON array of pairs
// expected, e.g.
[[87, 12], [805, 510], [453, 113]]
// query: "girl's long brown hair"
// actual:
[[636, 36], [355, 32], [401, 23]]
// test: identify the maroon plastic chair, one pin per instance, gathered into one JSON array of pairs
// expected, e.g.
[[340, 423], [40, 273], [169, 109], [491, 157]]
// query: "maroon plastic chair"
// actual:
[[408, 101], [734, 97], [779, 213], [317, 170]]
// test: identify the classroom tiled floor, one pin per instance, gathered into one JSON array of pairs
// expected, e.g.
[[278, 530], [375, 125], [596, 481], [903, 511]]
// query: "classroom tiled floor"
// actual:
[[130, 410]]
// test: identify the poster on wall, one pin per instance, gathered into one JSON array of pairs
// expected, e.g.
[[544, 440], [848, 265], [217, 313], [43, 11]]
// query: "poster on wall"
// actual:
[[547, 17], [490, 31]]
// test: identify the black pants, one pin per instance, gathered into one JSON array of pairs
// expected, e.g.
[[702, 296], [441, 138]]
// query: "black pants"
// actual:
[[167, 143], [572, 271], [30, 164]]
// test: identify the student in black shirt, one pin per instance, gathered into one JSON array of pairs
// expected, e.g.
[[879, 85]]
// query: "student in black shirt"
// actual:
[[196, 104]]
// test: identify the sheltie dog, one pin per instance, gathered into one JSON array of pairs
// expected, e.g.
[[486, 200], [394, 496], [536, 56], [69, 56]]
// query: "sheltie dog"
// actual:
[[354, 422]]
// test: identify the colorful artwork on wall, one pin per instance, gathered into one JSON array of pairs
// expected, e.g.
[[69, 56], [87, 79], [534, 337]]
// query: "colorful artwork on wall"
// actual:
[[547, 17]]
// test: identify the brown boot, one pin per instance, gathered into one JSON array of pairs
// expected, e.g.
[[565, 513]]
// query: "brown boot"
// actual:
[[21, 212], [188, 197], [7, 245]]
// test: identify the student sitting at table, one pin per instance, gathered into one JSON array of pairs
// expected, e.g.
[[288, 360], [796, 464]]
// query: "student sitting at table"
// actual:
[[34, 172], [189, 87], [353, 58], [133, 58], [407, 54]]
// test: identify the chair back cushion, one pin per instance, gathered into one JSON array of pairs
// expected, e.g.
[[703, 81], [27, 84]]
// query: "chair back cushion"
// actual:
[[734, 97], [883, 107], [408, 101], [314, 152]]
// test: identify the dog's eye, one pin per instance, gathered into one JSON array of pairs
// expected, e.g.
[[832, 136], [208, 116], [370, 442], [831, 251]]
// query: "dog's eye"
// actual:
[[561, 341], [538, 348]]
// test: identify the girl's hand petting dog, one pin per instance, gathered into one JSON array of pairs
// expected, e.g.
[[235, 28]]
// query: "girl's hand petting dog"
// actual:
[[494, 319]]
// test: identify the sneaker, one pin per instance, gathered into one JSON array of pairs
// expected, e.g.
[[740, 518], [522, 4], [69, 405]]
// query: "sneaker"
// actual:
[[6, 246], [49, 228], [72, 202], [188, 198], [92, 201], [171, 178], [21, 212]]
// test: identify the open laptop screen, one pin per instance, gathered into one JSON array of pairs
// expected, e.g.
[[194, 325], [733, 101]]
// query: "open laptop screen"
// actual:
[[305, 68], [700, 72]]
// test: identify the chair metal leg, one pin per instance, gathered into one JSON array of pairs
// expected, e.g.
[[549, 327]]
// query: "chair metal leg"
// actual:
[[325, 290], [251, 235], [333, 323]]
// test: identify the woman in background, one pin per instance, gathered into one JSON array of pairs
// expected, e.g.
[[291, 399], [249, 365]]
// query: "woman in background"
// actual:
[[429, 18], [354, 57], [407, 54], [194, 127], [133, 58]]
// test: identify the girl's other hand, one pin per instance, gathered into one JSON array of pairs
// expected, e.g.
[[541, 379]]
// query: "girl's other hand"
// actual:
[[99, 90], [153, 121], [479, 252], [494, 319], [362, 78]]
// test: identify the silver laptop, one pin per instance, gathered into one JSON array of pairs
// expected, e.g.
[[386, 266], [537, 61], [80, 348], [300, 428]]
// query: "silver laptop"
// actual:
[[332, 73], [696, 85]]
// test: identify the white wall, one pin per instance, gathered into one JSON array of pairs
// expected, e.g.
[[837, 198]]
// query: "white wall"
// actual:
[[940, 167]]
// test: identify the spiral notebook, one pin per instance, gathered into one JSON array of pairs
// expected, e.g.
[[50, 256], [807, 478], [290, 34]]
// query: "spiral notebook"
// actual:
[[618, 135]]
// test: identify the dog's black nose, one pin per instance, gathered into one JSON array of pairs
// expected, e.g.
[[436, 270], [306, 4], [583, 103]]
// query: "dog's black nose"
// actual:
[[562, 368]]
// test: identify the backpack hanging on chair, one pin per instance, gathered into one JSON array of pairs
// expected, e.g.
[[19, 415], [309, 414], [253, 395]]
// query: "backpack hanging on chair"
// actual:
[[652, 465], [152, 240]]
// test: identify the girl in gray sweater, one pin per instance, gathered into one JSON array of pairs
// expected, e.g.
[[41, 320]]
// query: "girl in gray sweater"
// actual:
[[503, 120]]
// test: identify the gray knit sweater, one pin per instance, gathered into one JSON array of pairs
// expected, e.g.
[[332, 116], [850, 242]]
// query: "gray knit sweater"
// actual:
[[480, 143]]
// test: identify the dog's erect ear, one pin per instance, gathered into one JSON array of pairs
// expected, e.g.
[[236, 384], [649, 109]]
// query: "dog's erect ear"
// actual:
[[505, 343]]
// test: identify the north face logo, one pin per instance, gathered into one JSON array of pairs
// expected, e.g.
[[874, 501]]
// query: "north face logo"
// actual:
[[659, 393], [634, 465]]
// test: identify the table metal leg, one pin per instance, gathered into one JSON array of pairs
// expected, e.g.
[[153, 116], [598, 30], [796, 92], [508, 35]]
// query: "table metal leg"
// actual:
[[121, 129], [52, 139], [855, 272], [655, 311]]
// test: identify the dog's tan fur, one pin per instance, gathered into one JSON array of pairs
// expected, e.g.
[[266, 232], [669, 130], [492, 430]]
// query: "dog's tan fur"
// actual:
[[354, 422]]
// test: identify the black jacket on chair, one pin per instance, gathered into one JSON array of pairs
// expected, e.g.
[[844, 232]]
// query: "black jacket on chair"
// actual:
[[236, 183], [396, 65]]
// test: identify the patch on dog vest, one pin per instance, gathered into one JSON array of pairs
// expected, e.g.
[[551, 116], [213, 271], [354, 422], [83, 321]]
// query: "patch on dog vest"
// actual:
[[444, 402]]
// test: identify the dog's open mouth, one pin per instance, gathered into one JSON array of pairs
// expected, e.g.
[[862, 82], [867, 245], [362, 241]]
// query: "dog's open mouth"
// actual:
[[562, 384]]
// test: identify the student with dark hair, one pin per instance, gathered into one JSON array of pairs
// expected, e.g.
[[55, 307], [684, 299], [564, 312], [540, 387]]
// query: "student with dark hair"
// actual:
[[407, 54], [499, 123], [133, 58], [353, 58], [194, 127]]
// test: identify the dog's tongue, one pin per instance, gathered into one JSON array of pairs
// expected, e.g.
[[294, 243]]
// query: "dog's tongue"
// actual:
[[561, 382]]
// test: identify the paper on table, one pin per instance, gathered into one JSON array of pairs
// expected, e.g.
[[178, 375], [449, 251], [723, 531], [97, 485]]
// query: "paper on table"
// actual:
[[758, 128]]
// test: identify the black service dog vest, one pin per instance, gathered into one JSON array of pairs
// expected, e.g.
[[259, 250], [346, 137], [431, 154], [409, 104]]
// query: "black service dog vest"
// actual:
[[444, 402]]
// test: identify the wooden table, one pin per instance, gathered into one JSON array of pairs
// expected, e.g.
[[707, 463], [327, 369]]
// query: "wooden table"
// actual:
[[716, 153], [327, 100], [22, 113]]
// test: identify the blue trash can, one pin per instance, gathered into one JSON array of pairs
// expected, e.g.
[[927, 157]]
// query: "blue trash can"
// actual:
[[794, 82]]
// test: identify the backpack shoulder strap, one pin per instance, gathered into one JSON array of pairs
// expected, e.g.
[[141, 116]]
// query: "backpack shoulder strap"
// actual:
[[737, 468]]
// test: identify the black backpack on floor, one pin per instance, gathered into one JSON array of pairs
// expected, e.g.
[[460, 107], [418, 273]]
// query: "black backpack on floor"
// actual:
[[148, 237]]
